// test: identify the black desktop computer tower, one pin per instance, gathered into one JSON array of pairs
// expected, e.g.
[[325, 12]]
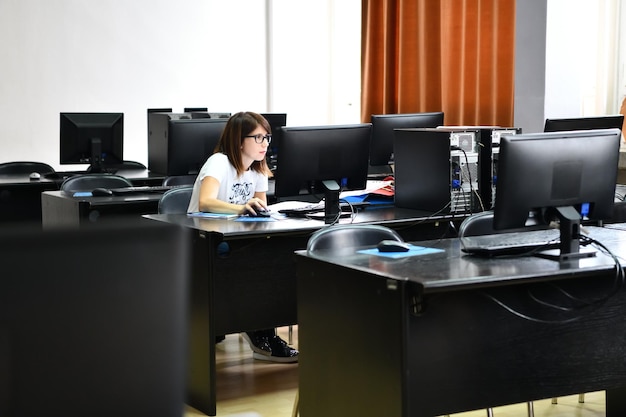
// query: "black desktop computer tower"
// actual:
[[488, 151], [436, 169]]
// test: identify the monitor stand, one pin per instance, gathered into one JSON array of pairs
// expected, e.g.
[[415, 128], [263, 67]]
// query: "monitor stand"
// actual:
[[96, 157], [569, 225], [331, 201]]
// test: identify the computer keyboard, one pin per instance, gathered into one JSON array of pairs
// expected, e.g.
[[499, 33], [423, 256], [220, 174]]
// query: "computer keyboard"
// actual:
[[318, 208], [157, 189], [511, 243]]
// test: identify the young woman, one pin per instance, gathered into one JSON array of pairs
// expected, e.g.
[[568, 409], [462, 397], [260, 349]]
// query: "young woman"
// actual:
[[235, 180]]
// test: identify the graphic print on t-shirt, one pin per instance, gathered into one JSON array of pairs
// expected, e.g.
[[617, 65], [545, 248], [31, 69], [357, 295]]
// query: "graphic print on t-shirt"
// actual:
[[240, 193]]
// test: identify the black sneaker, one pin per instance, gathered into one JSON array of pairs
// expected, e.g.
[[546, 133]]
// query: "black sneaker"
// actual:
[[259, 342], [270, 348]]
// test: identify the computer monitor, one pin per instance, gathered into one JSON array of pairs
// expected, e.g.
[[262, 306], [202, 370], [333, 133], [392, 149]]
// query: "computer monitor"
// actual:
[[322, 160], [383, 125], [180, 146], [277, 121], [93, 321], [584, 123], [557, 176], [92, 138]]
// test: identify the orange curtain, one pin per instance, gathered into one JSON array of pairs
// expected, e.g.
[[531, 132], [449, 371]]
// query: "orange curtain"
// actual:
[[455, 56]]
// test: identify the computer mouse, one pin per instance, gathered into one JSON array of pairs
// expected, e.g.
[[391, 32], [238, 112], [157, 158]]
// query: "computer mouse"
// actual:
[[34, 176], [260, 213], [101, 192], [393, 246]]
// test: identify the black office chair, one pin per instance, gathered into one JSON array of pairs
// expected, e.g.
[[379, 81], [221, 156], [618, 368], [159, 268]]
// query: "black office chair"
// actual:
[[25, 167], [128, 165], [87, 182], [175, 201], [343, 239], [180, 180]]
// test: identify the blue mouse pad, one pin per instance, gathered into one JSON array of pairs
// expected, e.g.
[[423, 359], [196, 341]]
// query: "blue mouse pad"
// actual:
[[413, 251], [254, 219]]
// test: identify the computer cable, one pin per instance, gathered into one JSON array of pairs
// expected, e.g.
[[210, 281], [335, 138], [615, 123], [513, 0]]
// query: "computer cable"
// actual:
[[468, 177], [582, 307]]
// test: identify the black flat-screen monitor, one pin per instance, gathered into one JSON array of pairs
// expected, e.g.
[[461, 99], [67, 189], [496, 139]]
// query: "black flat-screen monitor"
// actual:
[[97, 324], [383, 125], [180, 146], [566, 177], [318, 160], [584, 123], [92, 138], [277, 121]]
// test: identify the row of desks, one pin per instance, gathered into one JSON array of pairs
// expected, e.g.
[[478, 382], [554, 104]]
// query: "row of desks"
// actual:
[[417, 335], [20, 197], [244, 278]]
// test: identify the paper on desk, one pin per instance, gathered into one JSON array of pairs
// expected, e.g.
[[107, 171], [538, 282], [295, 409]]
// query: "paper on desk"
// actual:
[[287, 205], [413, 251], [370, 187]]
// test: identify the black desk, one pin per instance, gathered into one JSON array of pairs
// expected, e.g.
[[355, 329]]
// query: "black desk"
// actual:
[[20, 197], [243, 278], [61, 209], [422, 336]]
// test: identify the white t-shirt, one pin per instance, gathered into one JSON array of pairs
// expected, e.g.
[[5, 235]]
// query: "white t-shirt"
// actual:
[[233, 189]]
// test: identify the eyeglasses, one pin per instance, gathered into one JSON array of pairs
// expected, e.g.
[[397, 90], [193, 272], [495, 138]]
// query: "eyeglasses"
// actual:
[[258, 138]]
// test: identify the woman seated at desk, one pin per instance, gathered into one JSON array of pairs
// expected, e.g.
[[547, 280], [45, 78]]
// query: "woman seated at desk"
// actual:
[[235, 180]]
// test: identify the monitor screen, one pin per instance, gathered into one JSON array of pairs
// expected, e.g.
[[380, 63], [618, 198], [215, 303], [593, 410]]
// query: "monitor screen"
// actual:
[[312, 154], [92, 138], [381, 147], [94, 326], [191, 142], [180, 145], [557, 176], [277, 121], [584, 123]]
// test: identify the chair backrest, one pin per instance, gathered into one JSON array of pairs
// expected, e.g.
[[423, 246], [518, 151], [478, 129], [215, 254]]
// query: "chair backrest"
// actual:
[[180, 180], [87, 182], [24, 167], [175, 201], [482, 224], [477, 224], [345, 238], [130, 165]]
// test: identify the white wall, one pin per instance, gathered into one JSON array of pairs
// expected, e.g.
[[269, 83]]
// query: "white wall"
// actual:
[[127, 56]]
